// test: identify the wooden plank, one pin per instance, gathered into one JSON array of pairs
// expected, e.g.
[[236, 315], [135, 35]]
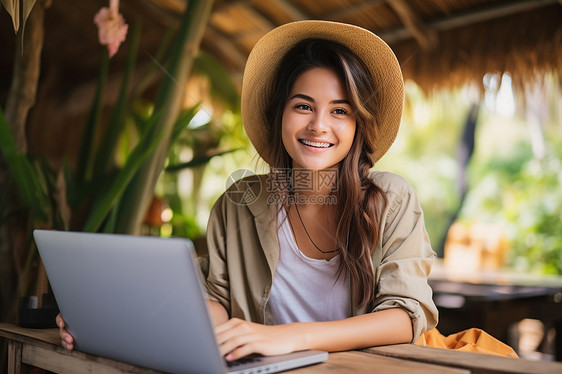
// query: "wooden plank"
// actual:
[[14, 357], [425, 36], [13, 332], [353, 362], [288, 9], [74, 362], [475, 362], [469, 18], [224, 48], [42, 348], [350, 10]]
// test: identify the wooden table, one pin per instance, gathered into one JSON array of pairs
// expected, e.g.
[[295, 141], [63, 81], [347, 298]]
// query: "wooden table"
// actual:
[[41, 348]]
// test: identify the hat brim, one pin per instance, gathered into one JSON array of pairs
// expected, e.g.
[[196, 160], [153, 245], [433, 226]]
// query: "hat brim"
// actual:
[[266, 55]]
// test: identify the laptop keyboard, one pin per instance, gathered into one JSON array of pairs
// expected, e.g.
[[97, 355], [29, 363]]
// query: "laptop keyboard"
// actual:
[[244, 360]]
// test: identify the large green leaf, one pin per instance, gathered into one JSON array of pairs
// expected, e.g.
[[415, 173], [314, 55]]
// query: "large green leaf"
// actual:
[[31, 191], [86, 157], [198, 161], [111, 221], [152, 71], [116, 123], [112, 186], [183, 120], [108, 199]]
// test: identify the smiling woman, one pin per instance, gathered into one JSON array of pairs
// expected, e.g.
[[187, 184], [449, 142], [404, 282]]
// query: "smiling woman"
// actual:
[[329, 274]]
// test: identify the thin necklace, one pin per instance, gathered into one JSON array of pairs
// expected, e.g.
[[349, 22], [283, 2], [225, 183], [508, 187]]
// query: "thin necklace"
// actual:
[[307, 234]]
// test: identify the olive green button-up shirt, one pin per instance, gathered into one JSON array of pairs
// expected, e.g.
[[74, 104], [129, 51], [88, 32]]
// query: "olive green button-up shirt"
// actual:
[[244, 250]]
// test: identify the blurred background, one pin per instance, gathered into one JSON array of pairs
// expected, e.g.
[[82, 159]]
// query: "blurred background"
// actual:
[[144, 141]]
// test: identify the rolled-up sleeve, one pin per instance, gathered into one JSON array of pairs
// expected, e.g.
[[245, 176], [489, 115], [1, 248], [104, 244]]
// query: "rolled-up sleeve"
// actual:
[[214, 268], [405, 256]]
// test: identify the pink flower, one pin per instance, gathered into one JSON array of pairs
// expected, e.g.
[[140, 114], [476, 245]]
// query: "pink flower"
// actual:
[[112, 28]]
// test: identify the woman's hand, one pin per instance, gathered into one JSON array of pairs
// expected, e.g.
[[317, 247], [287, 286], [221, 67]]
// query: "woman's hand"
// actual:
[[238, 338], [67, 340]]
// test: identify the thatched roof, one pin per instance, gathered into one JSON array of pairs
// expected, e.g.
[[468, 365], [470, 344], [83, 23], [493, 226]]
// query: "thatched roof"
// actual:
[[438, 42]]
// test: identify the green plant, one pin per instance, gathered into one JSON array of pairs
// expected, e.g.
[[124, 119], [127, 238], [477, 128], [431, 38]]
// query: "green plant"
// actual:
[[121, 196], [425, 153], [523, 195], [519, 189], [167, 106], [101, 195], [28, 176]]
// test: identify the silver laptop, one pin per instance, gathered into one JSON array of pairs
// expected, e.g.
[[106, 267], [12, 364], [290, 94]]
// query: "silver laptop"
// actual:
[[139, 299]]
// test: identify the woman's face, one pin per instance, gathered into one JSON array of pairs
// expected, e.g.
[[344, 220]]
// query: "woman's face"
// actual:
[[318, 124]]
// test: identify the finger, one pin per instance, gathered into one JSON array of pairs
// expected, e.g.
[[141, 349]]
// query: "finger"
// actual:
[[234, 330], [236, 342], [68, 346], [241, 351], [67, 341], [66, 337], [59, 321]]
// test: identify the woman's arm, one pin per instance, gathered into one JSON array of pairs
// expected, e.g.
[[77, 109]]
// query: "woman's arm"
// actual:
[[218, 312], [238, 338]]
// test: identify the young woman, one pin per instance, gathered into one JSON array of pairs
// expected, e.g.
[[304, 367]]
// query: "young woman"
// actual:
[[321, 253]]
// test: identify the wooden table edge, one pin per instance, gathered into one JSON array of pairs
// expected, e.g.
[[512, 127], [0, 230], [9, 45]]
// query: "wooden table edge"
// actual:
[[31, 342], [476, 362]]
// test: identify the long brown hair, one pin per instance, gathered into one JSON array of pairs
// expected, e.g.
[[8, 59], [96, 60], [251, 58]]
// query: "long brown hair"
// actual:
[[359, 201]]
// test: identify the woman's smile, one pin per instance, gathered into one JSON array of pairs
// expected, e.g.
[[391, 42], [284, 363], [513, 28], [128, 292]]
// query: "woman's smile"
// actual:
[[315, 143]]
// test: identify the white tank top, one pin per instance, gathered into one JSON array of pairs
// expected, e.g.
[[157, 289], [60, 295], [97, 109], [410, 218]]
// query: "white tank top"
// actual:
[[305, 289]]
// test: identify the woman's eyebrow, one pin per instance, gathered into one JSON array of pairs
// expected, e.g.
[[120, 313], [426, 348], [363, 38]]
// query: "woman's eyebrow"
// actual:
[[308, 98], [302, 96]]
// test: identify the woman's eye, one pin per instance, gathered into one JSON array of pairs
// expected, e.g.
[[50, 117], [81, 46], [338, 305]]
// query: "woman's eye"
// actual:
[[303, 106], [340, 111]]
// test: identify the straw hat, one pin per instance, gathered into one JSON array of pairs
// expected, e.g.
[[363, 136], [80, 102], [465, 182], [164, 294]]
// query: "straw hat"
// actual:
[[374, 52]]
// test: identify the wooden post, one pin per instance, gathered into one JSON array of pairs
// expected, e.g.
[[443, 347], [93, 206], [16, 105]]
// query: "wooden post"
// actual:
[[21, 97], [14, 357]]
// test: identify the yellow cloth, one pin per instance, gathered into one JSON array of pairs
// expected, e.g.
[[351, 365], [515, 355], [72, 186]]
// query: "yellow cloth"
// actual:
[[471, 340]]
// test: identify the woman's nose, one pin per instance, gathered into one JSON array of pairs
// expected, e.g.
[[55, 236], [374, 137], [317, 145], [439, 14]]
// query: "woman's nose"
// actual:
[[318, 124]]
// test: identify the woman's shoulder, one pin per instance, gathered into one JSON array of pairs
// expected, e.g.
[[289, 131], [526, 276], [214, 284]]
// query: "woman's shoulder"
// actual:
[[391, 182]]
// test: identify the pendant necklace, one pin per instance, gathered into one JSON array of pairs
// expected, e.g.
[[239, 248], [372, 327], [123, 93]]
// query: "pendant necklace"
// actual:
[[307, 234]]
